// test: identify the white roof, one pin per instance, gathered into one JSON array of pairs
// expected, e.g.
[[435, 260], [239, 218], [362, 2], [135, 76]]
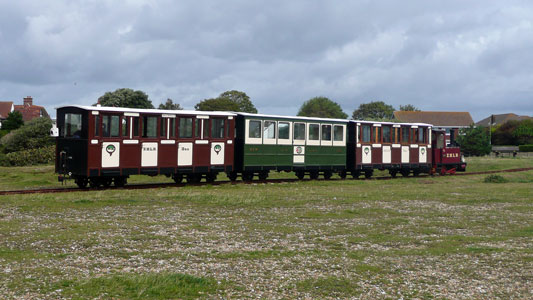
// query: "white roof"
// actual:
[[151, 111], [293, 117], [391, 123]]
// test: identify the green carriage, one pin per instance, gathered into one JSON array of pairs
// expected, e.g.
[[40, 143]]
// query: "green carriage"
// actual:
[[307, 146]]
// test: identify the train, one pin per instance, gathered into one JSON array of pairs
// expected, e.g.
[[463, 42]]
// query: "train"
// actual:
[[102, 146]]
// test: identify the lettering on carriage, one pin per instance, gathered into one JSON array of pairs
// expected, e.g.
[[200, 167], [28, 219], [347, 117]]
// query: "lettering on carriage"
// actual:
[[149, 149], [253, 149], [451, 155], [185, 149]]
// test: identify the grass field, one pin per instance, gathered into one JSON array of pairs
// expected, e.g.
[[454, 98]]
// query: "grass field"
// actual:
[[425, 238]]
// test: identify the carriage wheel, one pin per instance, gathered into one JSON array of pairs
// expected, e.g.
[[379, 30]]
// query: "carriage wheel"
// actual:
[[194, 178], [210, 177], [416, 173], [119, 181], [263, 175], [247, 176], [313, 174], [342, 174], [368, 174], [178, 178], [393, 173], [327, 174], [405, 173], [232, 176], [356, 174], [106, 182], [300, 174], [94, 182], [82, 182]]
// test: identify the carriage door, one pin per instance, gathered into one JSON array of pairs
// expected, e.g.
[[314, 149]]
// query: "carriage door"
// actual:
[[218, 130], [201, 156], [111, 141], [185, 144]]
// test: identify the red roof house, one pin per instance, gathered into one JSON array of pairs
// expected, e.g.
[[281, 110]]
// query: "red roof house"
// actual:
[[5, 108], [30, 111]]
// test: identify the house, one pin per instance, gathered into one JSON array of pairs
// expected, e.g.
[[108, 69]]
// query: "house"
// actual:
[[441, 120], [500, 119], [30, 111], [5, 108]]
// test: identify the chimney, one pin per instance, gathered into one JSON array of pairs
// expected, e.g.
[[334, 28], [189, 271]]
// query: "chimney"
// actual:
[[28, 101]]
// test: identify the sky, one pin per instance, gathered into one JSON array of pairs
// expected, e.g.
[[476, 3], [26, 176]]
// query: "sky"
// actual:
[[453, 55]]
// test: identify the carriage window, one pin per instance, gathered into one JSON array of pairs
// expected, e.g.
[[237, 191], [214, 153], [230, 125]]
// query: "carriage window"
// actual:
[[105, 126], [172, 127], [150, 127], [205, 128], [72, 125], [96, 125], [136, 126], [422, 135], [377, 135], [283, 130], [197, 128], [314, 132], [366, 133], [414, 135], [338, 133], [299, 131], [185, 129], [405, 135], [326, 132], [125, 126], [394, 134], [270, 130], [115, 127], [386, 134], [217, 128], [254, 130], [163, 127]]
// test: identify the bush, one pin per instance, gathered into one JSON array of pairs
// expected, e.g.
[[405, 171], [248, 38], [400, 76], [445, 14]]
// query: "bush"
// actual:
[[474, 141], [34, 134], [29, 157], [495, 179], [525, 148]]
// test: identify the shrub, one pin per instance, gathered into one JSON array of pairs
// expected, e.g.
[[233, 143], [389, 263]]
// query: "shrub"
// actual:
[[29, 157], [495, 179], [34, 134], [474, 141], [525, 148]]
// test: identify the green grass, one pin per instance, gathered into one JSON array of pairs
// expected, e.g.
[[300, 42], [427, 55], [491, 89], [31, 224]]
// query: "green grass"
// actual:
[[409, 237]]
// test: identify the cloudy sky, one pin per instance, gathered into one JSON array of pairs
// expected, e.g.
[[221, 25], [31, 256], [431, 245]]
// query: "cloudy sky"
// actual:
[[474, 56]]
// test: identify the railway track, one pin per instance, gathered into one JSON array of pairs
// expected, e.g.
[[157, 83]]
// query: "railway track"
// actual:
[[164, 185]]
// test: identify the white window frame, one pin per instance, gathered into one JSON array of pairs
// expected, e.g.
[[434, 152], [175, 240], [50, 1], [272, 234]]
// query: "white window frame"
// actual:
[[309, 141], [330, 142], [299, 142], [269, 141], [248, 139], [167, 123], [339, 143], [285, 141]]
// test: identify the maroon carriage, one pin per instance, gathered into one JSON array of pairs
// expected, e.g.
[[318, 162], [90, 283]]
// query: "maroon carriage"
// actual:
[[447, 159], [101, 145], [396, 147]]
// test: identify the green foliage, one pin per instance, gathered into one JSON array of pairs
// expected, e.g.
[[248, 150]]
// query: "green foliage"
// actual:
[[13, 121], [524, 132], [525, 148], [30, 157], [495, 179], [474, 141], [513, 132], [170, 105], [125, 98], [375, 110], [141, 286], [34, 134], [228, 101], [408, 107], [321, 107], [217, 104]]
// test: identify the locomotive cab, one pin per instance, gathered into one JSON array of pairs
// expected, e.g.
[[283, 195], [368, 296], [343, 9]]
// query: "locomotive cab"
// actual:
[[446, 159], [71, 142]]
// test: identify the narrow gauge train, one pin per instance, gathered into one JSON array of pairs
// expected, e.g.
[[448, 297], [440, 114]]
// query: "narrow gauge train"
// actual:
[[98, 146]]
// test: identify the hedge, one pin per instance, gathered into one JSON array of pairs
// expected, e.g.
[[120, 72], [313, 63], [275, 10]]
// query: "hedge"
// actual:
[[525, 148], [29, 157]]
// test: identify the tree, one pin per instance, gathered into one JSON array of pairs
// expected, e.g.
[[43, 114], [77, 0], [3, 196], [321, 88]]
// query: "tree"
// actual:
[[170, 105], [242, 100], [125, 98], [524, 132], [13, 121], [34, 134], [321, 107], [375, 110], [408, 107], [474, 141], [217, 104]]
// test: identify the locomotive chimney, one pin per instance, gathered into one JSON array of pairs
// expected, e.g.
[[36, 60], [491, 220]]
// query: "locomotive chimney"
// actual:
[[28, 101]]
